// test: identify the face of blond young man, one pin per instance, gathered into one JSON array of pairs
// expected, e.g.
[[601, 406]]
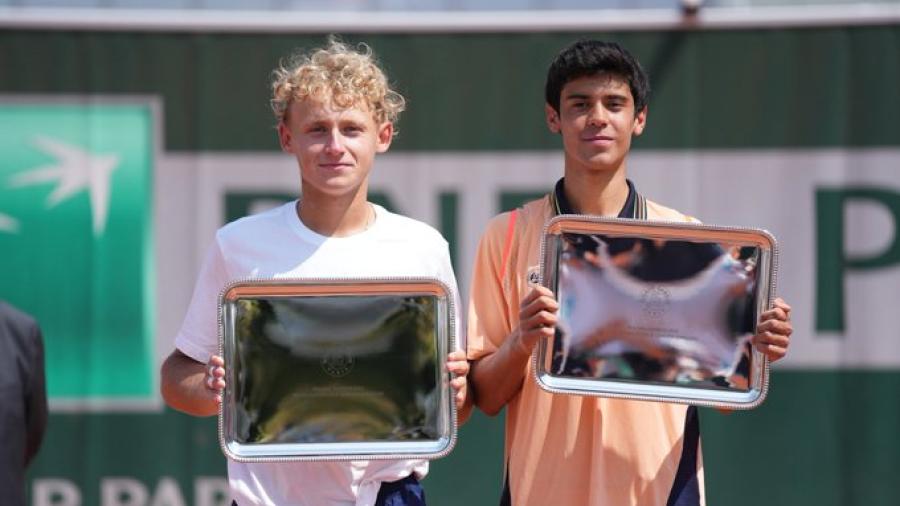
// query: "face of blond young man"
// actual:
[[334, 147], [596, 121]]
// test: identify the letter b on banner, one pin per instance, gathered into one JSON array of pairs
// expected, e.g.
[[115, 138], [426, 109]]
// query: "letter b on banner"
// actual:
[[832, 259]]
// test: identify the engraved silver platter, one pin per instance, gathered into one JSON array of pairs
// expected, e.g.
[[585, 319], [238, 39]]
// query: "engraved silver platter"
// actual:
[[336, 369], [656, 311]]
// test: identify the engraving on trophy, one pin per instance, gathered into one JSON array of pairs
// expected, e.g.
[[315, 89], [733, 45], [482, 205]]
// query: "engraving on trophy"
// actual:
[[337, 365], [655, 302]]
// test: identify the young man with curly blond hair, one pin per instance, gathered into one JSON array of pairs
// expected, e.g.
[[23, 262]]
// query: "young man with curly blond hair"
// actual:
[[335, 112]]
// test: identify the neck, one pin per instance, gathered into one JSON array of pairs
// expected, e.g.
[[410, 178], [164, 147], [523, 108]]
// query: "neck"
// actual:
[[600, 193], [332, 216]]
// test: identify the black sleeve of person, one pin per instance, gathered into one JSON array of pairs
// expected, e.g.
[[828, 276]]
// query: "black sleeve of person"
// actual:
[[25, 395], [36, 397]]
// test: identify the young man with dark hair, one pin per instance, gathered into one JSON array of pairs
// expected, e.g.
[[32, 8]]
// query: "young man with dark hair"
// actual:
[[566, 449]]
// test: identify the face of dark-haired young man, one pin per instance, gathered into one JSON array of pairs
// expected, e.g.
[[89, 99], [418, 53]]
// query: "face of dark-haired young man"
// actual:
[[596, 120]]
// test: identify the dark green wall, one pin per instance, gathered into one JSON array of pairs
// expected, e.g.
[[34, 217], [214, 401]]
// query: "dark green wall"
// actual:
[[712, 89]]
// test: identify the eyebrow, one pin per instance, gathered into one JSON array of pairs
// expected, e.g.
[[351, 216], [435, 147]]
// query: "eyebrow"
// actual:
[[577, 96], [605, 96]]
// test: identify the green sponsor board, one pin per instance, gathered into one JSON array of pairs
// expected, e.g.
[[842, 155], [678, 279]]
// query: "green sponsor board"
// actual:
[[129, 459], [822, 438], [75, 233]]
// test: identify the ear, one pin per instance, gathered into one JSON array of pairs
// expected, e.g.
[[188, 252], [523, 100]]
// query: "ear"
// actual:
[[284, 136], [552, 118], [640, 121], [384, 136]]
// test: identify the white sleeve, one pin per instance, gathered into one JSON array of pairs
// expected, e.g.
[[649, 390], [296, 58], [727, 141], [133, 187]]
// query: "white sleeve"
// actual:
[[198, 337], [446, 275]]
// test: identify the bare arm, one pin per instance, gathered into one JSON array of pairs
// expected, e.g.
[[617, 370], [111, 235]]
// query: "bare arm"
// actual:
[[498, 377], [190, 386]]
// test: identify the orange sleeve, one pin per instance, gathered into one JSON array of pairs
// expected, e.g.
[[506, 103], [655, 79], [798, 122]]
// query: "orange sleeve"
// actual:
[[488, 322]]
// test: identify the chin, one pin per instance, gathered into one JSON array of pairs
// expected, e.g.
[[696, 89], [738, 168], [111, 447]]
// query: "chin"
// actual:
[[340, 190], [603, 162], [599, 167]]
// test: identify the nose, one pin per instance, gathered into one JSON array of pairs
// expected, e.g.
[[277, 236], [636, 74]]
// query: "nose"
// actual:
[[597, 115], [334, 144]]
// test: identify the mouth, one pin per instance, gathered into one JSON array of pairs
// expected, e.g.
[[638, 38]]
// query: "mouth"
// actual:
[[598, 139], [335, 166]]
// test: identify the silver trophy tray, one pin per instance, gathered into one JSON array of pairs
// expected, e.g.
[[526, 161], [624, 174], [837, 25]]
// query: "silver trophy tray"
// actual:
[[656, 311], [336, 369]]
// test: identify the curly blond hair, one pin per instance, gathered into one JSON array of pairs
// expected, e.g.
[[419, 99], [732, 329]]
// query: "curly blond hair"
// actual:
[[340, 74]]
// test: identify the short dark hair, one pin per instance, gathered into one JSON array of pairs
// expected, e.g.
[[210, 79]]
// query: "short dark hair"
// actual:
[[585, 58]]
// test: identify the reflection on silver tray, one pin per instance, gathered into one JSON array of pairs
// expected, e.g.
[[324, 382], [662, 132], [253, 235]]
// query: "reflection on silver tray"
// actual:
[[336, 369], [656, 311]]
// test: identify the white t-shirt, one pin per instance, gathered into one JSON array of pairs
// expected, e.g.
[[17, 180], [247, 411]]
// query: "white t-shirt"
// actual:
[[276, 244]]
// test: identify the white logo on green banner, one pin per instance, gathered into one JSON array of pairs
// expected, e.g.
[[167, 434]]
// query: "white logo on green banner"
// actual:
[[75, 231]]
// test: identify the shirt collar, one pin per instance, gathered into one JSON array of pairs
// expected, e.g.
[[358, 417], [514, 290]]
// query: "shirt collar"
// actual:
[[562, 205]]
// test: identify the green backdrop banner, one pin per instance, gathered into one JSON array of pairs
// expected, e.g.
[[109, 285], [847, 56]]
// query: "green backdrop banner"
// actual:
[[123, 151], [76, 197]]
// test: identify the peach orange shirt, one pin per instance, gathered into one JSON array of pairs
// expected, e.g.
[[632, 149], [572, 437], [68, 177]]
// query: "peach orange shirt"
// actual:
[[565, 449]]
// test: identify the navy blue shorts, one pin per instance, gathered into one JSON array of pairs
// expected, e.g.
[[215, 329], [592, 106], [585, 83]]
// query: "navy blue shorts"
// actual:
[[405, 492]]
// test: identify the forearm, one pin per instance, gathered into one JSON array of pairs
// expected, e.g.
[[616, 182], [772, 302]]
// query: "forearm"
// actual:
[[183, 386], [498, 377]]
